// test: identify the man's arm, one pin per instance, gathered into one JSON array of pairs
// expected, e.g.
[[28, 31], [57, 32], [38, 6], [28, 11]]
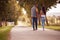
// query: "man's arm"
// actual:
[[37, 12]]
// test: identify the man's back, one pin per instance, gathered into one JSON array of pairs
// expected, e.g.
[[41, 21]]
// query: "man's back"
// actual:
[[33, 11]]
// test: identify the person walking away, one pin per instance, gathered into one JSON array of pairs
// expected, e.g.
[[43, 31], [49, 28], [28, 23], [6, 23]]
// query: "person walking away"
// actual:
[[44, 11], [43, 18], [34, 16]]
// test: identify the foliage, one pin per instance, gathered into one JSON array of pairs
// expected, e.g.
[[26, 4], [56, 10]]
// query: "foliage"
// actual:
[[13, 9], [3, 9], [9, 10], [29, 3]]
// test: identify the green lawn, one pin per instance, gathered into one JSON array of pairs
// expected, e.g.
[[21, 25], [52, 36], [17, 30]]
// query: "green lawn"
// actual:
[[57, 28], [4, 31]]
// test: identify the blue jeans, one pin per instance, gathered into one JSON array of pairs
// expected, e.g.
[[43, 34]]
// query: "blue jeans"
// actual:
[[34, 23], [43, 22]]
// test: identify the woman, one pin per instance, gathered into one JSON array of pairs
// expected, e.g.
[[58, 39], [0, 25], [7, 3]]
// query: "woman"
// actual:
[[43, 17]]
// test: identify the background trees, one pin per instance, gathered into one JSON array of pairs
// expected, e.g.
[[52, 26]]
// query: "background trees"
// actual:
[[27, 4], [13, 10], [48, 3], [3, 13], [10, 9]]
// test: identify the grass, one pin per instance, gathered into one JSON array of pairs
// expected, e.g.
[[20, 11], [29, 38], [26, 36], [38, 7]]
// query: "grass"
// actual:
[[57, 28], [4, 31]]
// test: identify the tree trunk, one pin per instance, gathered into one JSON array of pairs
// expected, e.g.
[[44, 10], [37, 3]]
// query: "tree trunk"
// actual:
[[15, 22], [5, 23], [39, 21], [47, 21], [0, 24]]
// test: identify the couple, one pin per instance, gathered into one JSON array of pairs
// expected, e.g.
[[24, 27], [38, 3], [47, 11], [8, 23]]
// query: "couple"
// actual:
[[34, 15]]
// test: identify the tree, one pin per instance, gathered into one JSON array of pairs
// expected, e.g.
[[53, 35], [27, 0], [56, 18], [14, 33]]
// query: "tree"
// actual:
[[29, 3], [13, 10], [3, 14], [9, 10]]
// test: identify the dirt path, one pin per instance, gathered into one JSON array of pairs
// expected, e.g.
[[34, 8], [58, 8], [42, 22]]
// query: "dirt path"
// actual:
[[26, 33]]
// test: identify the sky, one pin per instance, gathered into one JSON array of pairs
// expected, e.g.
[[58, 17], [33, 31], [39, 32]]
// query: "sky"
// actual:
[[54, 11]]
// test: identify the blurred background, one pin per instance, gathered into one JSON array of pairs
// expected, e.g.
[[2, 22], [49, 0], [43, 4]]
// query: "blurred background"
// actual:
[[18, 12]]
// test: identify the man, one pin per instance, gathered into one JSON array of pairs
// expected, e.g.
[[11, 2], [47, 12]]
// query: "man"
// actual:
[[34, 16]]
